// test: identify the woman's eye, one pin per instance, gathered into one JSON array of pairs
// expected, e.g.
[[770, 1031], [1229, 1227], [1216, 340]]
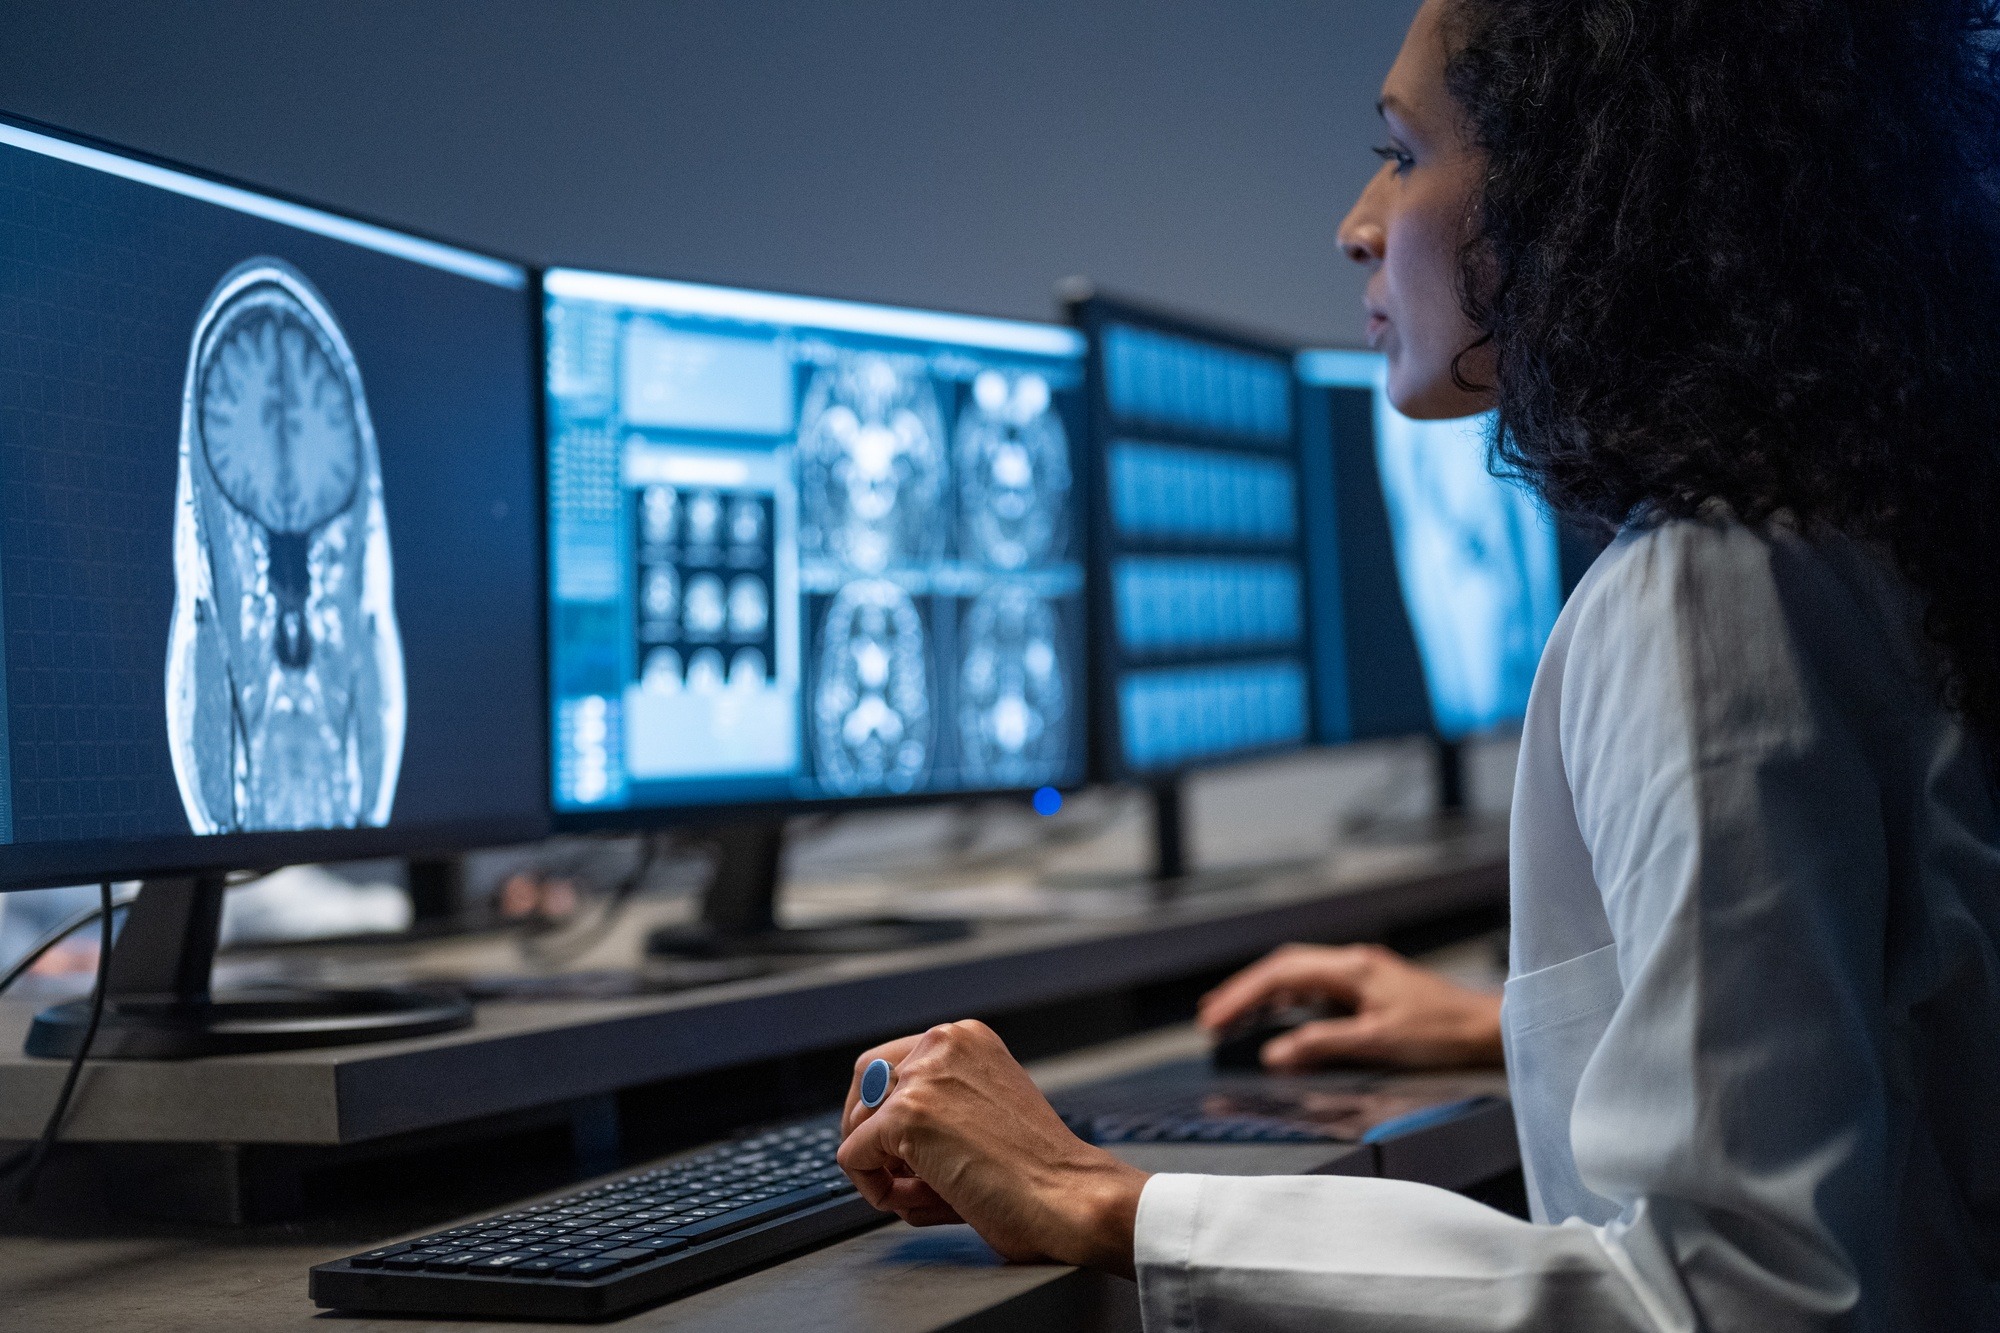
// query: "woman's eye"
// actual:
[[1391, 153]]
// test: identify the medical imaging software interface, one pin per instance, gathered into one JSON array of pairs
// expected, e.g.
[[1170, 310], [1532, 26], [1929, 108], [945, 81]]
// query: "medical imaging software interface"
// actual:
[[1205, 555], [1477, 556], [268, 536], [807, 549]]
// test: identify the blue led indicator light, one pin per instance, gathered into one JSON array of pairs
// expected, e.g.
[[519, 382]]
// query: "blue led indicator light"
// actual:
[[1047, 800]]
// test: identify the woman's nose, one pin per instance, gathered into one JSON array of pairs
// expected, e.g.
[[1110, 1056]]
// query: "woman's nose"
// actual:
[[1362, 235], [1361, 241]]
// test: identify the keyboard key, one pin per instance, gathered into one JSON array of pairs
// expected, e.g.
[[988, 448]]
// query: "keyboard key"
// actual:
[[629, 1254], [587, 1267], [538, 1267], [374, 1258], [456, 1262], [496, 1263], [409, 1261], [736, 1219], [660, 1244]]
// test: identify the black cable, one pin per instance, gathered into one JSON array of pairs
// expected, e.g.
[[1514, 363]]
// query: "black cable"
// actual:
[[33, 1157], [579, 940], [51, 939]]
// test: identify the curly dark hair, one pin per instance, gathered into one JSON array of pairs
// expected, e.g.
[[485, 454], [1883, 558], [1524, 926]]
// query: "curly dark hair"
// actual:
[[1749, 251]]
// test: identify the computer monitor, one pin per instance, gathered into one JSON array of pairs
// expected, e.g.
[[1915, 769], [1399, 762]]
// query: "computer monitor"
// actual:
[[1198, 549], [1197, 553], [806, 552], [270, 555], [1477, 562]]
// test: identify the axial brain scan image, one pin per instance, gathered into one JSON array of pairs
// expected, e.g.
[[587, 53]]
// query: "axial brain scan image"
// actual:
[[1012, 711], [872, 464], [284, 681], [1013, 469], [871, 705]]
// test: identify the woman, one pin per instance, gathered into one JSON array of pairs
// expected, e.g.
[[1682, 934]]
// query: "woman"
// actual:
[[1729, 271]]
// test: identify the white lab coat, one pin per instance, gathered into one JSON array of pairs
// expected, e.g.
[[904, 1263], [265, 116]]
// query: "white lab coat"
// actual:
[[1753, 1028]]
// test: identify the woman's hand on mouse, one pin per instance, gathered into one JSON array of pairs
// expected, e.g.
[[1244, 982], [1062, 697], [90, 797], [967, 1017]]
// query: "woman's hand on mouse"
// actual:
[[1403, 1014], [965, 1135]]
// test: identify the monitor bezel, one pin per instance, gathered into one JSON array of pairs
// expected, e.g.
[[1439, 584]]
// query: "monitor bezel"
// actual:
[[712, 814], [53, 864], [1088, 309]]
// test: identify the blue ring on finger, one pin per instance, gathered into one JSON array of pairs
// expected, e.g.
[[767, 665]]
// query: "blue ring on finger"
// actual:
[[875, 1083]]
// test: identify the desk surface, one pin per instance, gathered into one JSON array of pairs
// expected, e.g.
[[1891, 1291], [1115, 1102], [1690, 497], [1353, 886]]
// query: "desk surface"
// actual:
[[891, 1280], [523, 1055]]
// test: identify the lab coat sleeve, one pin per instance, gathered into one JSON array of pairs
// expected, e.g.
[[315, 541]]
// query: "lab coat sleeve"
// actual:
[[1733, 1112]]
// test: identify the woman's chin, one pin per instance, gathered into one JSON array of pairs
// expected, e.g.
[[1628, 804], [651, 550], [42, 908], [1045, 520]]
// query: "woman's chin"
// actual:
[[1430, 393]]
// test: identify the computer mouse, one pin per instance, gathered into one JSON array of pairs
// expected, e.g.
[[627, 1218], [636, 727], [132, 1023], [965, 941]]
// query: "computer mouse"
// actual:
[[1241, 1044]]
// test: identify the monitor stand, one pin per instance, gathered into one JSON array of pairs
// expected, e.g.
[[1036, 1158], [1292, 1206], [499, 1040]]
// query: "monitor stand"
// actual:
[[1170, 860], [158, 1006], [739, 910], [1450, 777], [437, 894]]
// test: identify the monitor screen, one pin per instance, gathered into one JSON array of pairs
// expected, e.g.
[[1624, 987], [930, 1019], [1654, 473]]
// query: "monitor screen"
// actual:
[[1476, 556], [805, 549], [1368, 677], [1200, 543], [269, 533]]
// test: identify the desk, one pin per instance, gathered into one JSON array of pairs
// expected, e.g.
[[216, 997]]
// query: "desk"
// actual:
[[89, 1274], [520, 1056], [891, 1280]]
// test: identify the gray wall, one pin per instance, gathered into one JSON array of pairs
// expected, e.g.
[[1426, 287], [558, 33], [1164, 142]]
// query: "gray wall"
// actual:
[[916, 151]]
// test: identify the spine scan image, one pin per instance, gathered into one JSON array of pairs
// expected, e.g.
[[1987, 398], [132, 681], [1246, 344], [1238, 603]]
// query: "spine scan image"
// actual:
[[284, 680], [1013, 469], [872, 465], [871, 705], [1011, 709]]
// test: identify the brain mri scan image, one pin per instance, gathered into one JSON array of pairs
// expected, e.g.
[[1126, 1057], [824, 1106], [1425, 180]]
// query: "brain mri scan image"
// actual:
[[1013, 470], [705, 609], [872, 463], [705, 675], [871, 703], [704, 518], [284, 681], [659, 514], [749, 607], [662, 672], [1477, 560], [1011, 708]]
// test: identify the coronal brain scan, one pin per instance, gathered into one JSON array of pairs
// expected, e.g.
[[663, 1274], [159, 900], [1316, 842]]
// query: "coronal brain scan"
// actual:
[[1013, 470], [872, 463], [1012, 709], [871, 704], [284, 682]]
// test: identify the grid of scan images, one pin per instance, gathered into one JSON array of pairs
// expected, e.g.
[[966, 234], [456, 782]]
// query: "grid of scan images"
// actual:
[[808, 562]]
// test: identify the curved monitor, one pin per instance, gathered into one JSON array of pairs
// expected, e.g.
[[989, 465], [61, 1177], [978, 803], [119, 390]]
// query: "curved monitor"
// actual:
[[806, 550], [269, 540], [1477, 559]]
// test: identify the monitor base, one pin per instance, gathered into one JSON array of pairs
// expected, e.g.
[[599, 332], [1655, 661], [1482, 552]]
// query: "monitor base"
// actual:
[[157, 1004], [877, 936], [244, 1022]]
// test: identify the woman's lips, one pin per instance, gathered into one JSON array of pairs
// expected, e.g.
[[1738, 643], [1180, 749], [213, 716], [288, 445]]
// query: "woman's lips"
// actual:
[[1378, 324]]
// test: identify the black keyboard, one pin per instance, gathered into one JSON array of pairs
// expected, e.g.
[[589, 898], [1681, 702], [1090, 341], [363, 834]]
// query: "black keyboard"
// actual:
[[685, 1223], [1191, 1102]]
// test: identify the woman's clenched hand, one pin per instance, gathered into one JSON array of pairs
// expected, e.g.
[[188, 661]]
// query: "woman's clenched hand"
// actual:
[[965, 1135]]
